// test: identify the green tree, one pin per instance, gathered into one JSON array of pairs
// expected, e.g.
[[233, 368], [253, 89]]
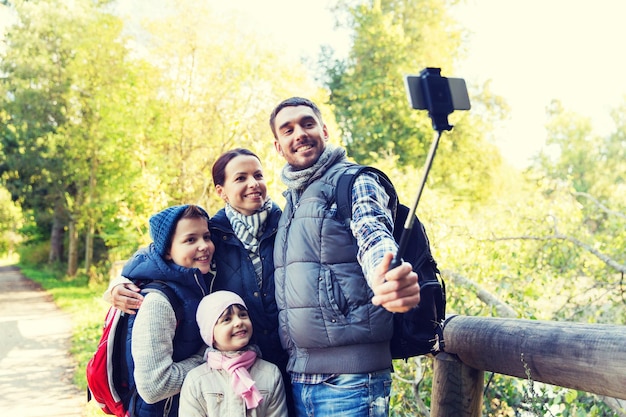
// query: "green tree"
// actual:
[[71, 107], [97, 136], [34, 100], [575, 148], [391, 39], [591, 168], [11, 221], [220, 82]]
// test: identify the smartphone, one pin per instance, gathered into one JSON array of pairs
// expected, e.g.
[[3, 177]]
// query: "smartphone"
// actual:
[[439, 89]]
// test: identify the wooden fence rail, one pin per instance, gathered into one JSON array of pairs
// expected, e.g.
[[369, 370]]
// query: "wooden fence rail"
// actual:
[[585, 357]]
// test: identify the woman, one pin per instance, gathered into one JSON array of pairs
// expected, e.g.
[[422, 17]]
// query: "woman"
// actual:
[[243, 233]]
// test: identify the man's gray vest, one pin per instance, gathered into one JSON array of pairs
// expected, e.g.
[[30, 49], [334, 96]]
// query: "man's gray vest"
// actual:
[[327, 320]]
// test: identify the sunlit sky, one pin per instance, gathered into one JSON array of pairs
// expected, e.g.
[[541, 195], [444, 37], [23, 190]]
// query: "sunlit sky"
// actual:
[[533, 51], [538, 50]]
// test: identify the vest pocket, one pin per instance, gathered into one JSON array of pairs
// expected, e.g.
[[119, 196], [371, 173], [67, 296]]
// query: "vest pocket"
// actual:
[[335, 298]]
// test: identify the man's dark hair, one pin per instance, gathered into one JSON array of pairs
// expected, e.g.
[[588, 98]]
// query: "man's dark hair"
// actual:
[[294, 102]]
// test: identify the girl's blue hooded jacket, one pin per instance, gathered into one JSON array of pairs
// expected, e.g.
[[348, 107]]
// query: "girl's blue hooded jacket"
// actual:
[[190, 286]]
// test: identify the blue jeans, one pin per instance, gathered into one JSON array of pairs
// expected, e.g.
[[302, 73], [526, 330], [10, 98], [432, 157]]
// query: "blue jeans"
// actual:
[[353, 395]]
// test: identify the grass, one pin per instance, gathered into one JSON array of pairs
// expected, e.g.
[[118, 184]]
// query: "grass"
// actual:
[[83, 301]]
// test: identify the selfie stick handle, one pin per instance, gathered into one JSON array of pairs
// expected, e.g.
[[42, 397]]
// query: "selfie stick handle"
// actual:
[[408, 224]]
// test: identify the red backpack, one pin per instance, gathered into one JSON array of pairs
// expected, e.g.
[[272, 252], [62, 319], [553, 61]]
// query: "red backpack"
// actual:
[[108, 370]]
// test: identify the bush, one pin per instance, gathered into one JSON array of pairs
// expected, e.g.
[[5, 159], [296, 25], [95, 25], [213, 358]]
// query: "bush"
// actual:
[[34, 254]]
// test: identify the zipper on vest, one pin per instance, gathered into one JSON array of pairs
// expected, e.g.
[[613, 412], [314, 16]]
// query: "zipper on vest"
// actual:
[[195, 275]]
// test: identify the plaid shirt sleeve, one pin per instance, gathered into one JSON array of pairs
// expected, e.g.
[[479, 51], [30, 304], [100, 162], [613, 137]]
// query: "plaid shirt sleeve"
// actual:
[[372, 223]]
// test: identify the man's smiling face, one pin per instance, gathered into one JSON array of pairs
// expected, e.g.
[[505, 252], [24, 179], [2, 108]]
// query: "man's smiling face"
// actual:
[[300, 136]]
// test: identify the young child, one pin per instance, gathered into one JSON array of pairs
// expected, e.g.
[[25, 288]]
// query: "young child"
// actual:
[[234, 381], [166, 346]]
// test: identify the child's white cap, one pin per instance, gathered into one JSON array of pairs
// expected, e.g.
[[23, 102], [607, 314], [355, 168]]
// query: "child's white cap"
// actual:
[[211, 308]]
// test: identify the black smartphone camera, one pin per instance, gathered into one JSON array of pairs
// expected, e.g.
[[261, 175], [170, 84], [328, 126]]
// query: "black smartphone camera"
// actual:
[[439, 95]]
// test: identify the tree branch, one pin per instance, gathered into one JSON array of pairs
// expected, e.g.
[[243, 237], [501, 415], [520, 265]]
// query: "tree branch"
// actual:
[[502, 309], [600, 205], [615, 404], [604, 258]]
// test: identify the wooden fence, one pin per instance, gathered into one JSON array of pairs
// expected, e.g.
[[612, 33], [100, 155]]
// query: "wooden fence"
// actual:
[[585, 357]]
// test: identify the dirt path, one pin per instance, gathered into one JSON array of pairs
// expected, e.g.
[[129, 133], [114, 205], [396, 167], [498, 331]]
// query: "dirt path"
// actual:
[[35, 365]]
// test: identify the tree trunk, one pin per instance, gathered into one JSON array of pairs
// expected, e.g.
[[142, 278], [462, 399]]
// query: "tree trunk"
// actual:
[[72, 256], [56, 236], [89, 245]]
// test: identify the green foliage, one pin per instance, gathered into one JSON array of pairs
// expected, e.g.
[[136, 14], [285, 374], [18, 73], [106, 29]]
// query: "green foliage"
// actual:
[[11, 223], [220, 85], [99, 134], [411, 385], [35, 254], [508, 396], [57, 137], [593, 168], [96, 136], [34, 106], [368, 97], [367, 91]]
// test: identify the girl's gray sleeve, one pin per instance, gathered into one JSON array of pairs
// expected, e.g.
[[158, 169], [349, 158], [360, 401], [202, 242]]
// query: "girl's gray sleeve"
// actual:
[[157, 376]]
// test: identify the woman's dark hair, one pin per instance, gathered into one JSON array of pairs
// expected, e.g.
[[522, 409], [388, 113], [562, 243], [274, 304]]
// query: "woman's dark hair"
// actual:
[[219, 167]]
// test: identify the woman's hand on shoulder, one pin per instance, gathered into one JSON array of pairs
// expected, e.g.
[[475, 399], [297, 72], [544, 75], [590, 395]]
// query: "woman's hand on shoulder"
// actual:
[[126, 297]]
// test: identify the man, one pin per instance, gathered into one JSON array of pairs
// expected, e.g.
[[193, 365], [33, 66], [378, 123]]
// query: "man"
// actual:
[[333, 290]]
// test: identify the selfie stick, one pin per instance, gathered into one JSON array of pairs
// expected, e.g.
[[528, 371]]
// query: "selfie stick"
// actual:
[[408, 224], [438, 100]]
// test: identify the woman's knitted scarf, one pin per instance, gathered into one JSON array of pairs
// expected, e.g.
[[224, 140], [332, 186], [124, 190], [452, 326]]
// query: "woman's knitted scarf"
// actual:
[[248, 229], [237, 365]]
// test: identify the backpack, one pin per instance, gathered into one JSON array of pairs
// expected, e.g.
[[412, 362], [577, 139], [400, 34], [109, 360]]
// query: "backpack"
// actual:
[[418, 331], [108, 369]]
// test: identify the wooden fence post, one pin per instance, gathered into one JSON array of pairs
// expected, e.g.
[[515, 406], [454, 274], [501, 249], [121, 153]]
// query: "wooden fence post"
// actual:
[[457, 388]]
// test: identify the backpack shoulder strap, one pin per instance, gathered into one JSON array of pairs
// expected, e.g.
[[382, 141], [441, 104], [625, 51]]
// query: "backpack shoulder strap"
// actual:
[[343, 192], [164, 289]]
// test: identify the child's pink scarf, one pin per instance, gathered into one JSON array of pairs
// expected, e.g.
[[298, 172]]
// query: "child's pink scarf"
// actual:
[[238, 366]]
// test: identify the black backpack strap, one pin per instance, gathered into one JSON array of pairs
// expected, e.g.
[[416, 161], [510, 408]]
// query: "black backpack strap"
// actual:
[[343, 192], [164, 289]]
